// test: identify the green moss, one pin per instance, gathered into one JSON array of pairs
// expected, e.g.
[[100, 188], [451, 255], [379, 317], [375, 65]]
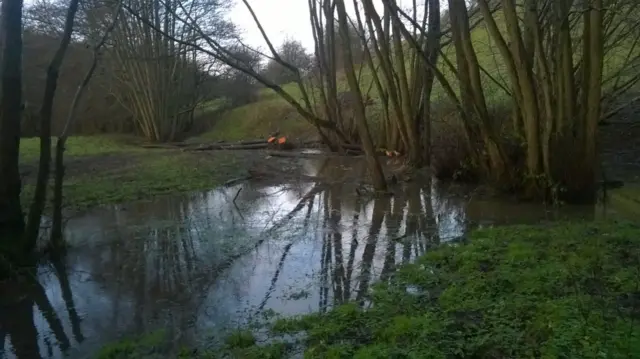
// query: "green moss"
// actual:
[[566, 290]]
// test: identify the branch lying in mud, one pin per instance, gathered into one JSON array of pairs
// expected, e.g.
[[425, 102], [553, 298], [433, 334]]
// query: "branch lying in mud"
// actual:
[[225, 146], [305, 154], [236, 181], [351, 149]]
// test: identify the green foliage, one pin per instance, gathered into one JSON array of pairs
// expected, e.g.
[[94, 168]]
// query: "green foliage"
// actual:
[[271, 351], [239, 345], [562, 291], [149, 346], [240, 339]]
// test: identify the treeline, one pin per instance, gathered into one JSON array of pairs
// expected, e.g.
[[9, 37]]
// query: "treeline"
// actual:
[[114, 100]]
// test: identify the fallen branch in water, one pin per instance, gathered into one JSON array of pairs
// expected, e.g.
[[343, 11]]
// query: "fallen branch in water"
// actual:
[[234, 181], [237, 194], [266, 234]]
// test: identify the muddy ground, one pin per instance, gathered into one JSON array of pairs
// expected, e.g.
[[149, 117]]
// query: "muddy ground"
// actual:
[[145, 173]]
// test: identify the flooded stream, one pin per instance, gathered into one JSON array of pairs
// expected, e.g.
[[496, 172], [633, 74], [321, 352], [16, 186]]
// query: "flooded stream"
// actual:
[[198, 265]]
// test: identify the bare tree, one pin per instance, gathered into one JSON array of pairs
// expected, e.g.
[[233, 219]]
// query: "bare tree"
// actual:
[[158, 74], [322, 16], [554, 54], [40, 195], [56, 229], [377, 174], [11, 217], [294, 53], [355, 44], [240, 88], [402, 81]]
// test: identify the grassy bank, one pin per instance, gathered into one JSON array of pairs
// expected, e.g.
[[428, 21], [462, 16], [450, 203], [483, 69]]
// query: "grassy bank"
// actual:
[[570, 290], [564, 291], [626, 200], [105, 170]]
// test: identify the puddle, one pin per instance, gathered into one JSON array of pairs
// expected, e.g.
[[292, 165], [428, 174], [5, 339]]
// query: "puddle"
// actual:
[[200, 264]]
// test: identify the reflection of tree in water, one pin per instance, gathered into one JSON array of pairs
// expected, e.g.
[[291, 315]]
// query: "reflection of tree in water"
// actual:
[[410, 229], [17, 319], [169, 262], [393, 228], [60, 268], [380, 208], [160, 265]]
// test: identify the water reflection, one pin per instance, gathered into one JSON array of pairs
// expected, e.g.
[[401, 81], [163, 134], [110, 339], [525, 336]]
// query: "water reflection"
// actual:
[[197, 265]]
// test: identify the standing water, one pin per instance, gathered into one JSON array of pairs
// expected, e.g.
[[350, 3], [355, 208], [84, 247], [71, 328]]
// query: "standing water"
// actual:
[[199, 265]]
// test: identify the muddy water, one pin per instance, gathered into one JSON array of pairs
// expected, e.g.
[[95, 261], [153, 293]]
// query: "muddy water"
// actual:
[[198, 265]]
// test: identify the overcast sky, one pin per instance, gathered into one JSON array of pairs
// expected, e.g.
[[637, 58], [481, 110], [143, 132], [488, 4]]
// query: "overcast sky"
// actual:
[[281, 19]]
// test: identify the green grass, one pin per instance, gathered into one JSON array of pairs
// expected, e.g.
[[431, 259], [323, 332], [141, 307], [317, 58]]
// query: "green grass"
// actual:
[[626, 200], [258, 120], [79, 146], [561, 291], [239, 344], [105, 171], [146, 346]]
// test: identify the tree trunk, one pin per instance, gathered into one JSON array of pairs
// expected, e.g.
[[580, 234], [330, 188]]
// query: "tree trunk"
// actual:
[[56, 225], [11, 217], [377, 175], [40, 196]]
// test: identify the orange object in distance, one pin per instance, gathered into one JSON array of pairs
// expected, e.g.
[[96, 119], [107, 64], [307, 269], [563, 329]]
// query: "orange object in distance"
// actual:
[[271, 139], [282, 140]]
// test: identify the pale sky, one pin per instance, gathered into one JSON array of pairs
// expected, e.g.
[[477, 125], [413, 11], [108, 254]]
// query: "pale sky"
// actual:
[[281, 19]]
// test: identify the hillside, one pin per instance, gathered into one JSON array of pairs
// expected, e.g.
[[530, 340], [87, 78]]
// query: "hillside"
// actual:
[[272, 113]]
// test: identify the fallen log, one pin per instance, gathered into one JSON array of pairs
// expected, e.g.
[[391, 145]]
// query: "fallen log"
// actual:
[[166, 145], [298, 154], [256, 146], [357, 149], [246, 142]]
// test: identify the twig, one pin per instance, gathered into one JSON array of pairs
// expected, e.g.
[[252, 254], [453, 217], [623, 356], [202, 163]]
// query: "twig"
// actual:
[[230, 183], [237, 194]]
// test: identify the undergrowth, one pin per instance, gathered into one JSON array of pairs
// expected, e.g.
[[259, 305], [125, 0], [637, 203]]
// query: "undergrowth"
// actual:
[[565, 291]]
